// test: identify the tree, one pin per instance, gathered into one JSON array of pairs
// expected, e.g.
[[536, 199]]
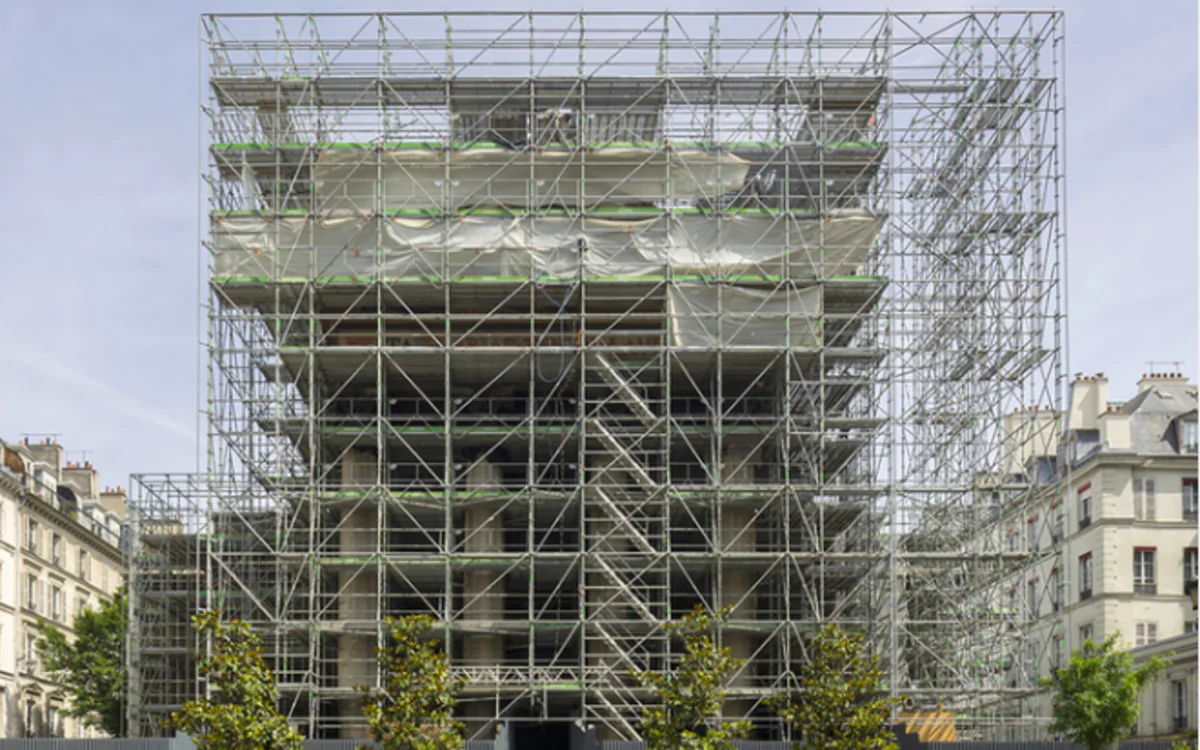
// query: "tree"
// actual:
[[692, 694], [413, 709], [840, 705], [91, 668], [1097, 695], [240, 713]]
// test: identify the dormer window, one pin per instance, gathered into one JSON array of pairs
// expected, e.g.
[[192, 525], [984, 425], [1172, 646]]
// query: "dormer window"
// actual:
[[1188, 436]]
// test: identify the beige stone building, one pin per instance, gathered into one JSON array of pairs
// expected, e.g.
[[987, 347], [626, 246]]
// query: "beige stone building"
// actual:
[[1112, 540], [60, 552], [1169, 705]]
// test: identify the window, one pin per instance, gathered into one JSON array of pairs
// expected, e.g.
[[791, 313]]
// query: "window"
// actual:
[[30, 650], [1031, 599], [1189, 626], [1145, 633], [1189, 500], [32, 534], [29, 715], [1060, 521], [1085, 576], [52, 721], [1031, 534], [1085, 634], [56, 549], [85, 565], [1143, 499], [1085, 505], [1055, 593], [81, 604], [1189, 436], [1143, 570], [1179, 712], [1190, 567], [1012, 540], [56, 601], [31, 585]]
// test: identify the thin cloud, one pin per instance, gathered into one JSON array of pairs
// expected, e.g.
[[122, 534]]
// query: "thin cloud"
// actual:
[[108, 396]]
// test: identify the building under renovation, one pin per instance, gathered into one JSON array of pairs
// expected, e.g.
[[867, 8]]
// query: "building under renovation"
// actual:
[[553, 326]]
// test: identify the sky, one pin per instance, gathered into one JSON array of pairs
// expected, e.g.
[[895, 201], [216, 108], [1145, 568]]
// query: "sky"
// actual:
[[102, 256]]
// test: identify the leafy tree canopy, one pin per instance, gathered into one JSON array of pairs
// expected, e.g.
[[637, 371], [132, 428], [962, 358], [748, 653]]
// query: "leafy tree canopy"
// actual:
[[840, 705], [413, 709], [91, 668], [1097, 695], [240, 713], [691, 696]]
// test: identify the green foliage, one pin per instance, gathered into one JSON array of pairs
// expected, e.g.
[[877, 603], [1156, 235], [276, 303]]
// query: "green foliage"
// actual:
[[1188, 743], [1097, 695], [240, 713], [692, 695], [92, 667], [839, 705], [414, 707]]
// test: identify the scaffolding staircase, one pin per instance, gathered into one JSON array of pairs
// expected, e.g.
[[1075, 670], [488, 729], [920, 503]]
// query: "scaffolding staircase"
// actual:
[[625, 532]]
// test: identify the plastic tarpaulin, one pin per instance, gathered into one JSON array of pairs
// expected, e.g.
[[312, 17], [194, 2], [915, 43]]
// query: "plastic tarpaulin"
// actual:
[[539, 247], [731, 317], [455, 179]]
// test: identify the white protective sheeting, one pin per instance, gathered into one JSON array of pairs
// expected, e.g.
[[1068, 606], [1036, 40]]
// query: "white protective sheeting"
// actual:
[[733, 317], [456, 179], [538, 247]]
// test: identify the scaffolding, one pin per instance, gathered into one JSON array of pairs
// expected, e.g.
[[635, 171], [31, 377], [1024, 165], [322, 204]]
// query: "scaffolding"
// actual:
[[555, 325]]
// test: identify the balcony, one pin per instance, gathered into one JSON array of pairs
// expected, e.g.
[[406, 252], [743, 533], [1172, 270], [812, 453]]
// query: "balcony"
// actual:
[[1085, 594], [1145, 589], [1085, 522], [1179, 723]]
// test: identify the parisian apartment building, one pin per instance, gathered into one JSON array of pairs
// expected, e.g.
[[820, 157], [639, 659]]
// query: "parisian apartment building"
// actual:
[[61, 551], [1112, 537]]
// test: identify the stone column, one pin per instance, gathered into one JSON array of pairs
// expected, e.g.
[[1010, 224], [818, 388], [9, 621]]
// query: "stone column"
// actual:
[[483, 591], [738, 535], [358, 597]]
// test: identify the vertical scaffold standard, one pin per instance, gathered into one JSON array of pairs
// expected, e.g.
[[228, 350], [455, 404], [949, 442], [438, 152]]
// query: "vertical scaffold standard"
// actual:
[[555, 325]]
